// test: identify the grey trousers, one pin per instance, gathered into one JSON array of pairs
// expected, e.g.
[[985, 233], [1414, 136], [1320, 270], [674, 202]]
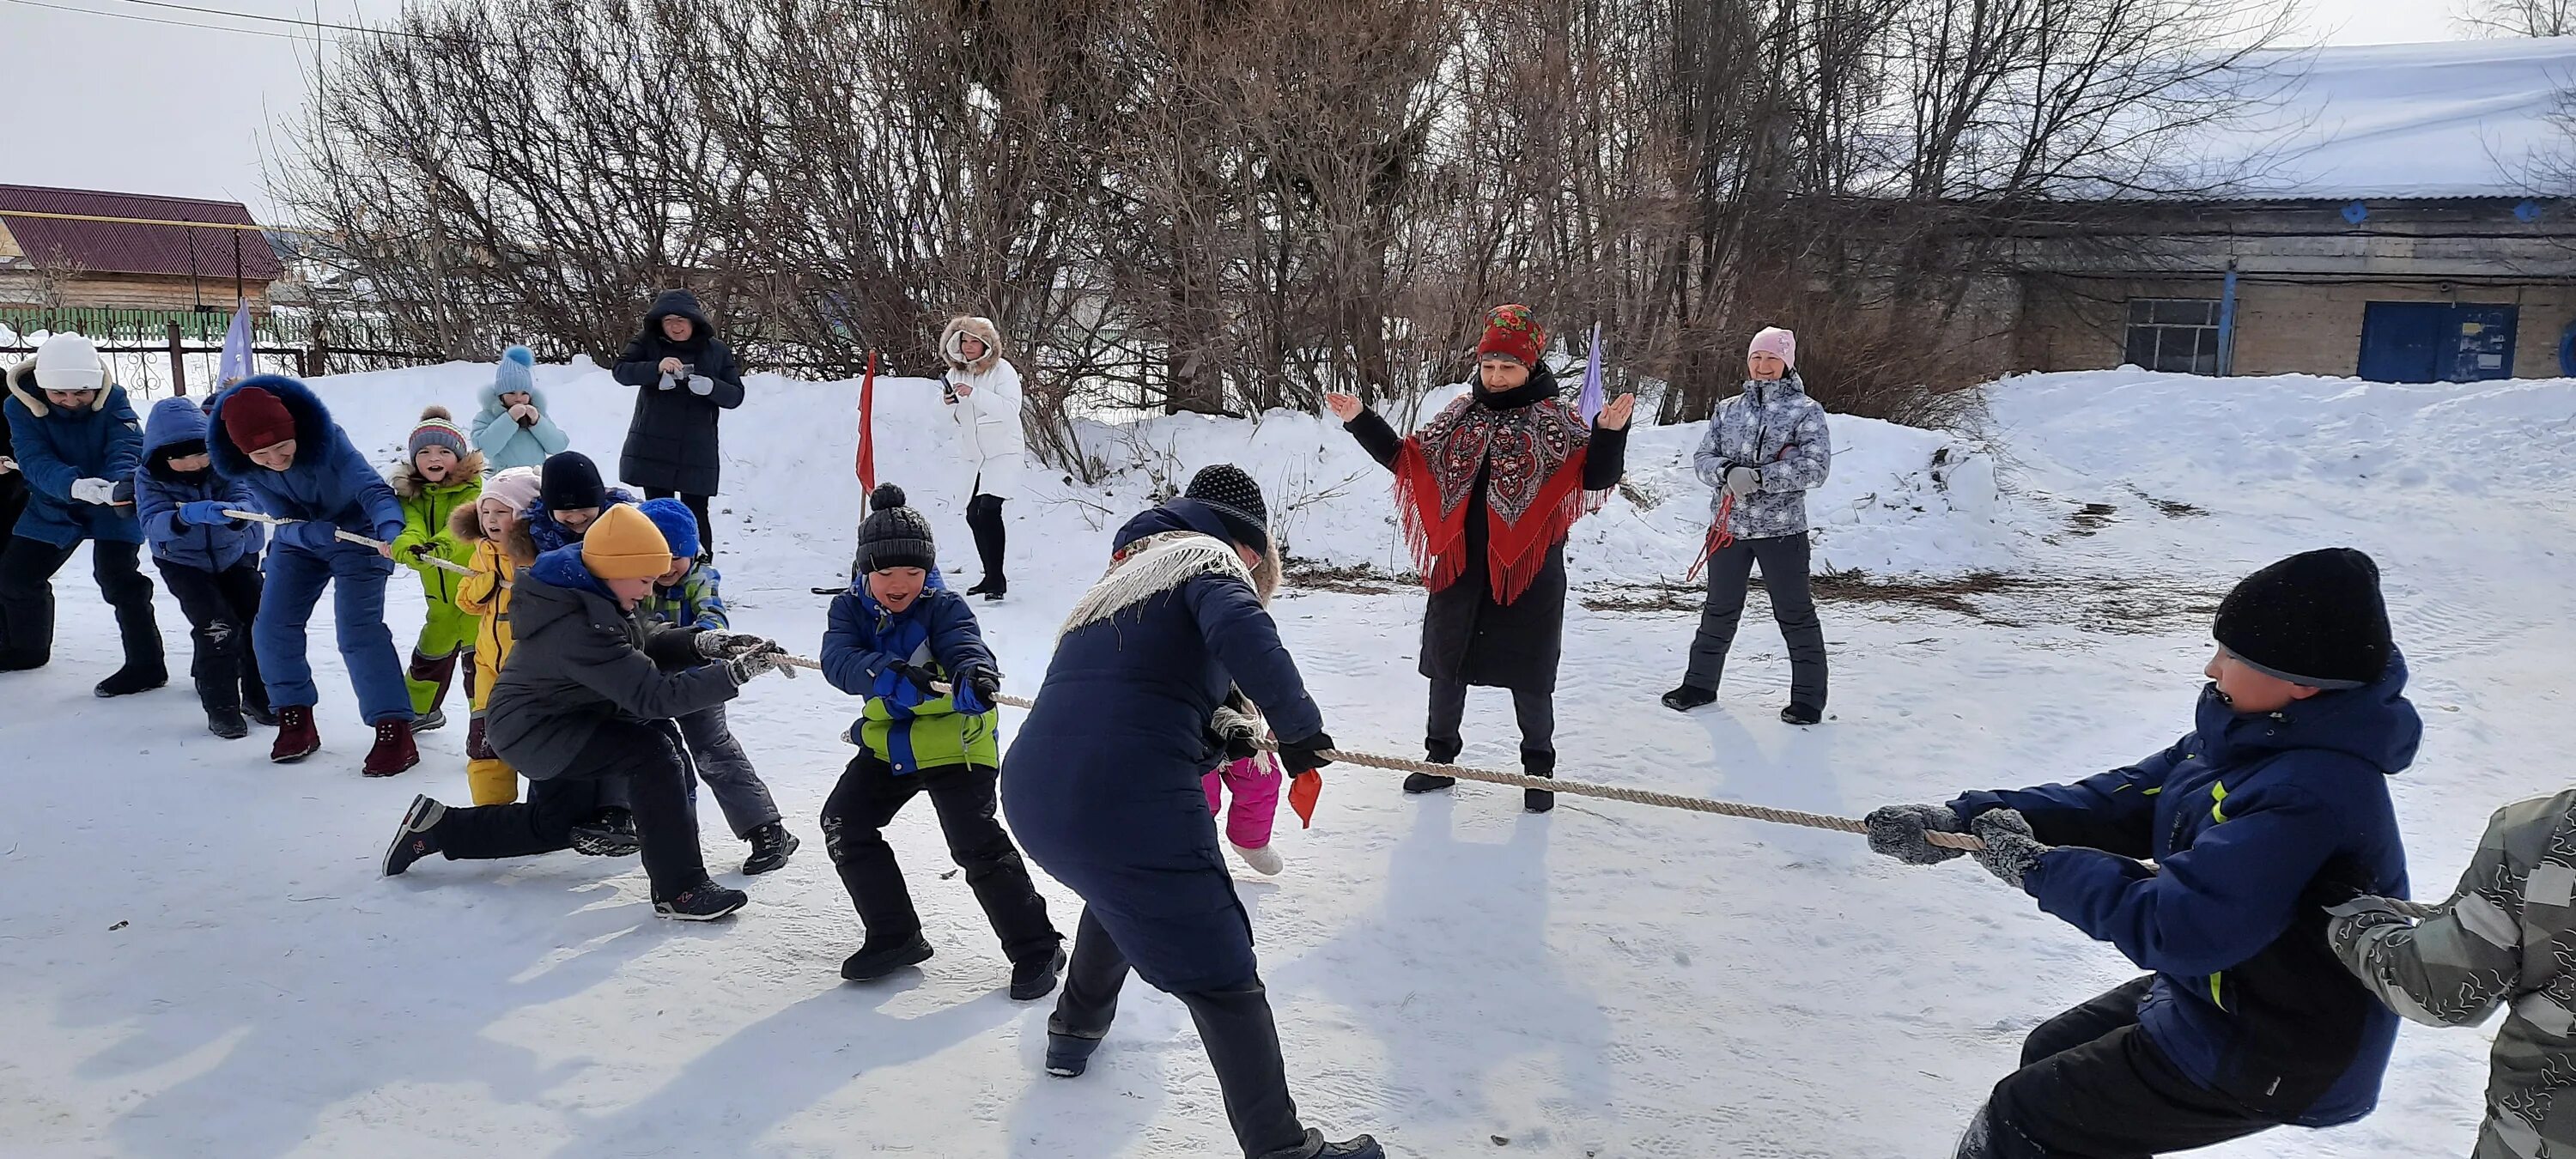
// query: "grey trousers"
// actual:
[[1784, 577], [727, 771]]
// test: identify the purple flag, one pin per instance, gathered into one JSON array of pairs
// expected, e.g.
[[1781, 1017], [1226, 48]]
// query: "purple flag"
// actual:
[[235, 364], [1590, 404]]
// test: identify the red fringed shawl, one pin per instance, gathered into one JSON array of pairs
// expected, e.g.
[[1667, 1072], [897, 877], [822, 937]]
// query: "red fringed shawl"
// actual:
[[1532, 461]]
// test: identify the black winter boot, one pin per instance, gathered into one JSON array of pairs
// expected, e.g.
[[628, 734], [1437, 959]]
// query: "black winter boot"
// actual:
[[1538, 764], [704, 902], [1068, 1055], [1802, 714], [1438, 752], [877, 959], [1688, 697], [771, 846], [134, 678], [1035, 978], [1358, 1147], [608, 833], [227, 723]]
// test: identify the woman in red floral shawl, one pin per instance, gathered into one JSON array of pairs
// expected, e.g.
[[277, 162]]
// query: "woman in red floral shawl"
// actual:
[[1488, 490]]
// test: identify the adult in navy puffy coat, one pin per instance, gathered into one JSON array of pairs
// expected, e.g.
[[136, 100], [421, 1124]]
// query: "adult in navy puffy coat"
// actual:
[[684, 380], [74, 437], [2273, 806], [209, 560], [1103, 789], [272, 433]]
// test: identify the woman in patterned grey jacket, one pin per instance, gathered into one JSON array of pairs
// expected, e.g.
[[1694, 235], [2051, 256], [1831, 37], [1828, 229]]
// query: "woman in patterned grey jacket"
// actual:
[[1765, 449], [2506, 938]]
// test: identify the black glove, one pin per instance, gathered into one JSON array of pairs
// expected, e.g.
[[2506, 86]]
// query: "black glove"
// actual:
[[920, 678], [1305, 755], [986, 683], [1235, 734]]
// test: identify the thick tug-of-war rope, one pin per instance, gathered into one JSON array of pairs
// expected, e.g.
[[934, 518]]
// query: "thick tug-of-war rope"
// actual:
[[354, 537], [1961, 841]]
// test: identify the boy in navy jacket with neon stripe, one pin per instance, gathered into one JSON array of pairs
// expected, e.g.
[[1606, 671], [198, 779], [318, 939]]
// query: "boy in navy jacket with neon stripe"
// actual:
[[2276, 799]]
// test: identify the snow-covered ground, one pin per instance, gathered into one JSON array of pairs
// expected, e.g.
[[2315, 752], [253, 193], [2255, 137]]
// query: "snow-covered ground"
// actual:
[[201, 960]]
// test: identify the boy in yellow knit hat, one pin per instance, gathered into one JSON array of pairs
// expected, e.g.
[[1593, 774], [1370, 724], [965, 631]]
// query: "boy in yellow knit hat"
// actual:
[[579, 709]]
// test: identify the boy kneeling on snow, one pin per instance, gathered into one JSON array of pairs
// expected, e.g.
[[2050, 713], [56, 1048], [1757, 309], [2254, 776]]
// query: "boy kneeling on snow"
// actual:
[[895, 636], [583, 701], [2278, 795]]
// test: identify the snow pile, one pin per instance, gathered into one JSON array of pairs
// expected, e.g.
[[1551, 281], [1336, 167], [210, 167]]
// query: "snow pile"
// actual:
[[2454, 119], [1900, 500]]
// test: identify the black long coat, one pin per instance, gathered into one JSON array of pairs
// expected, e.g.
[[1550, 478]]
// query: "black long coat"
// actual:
[[13, 490], [671, 444], [1466, 635]]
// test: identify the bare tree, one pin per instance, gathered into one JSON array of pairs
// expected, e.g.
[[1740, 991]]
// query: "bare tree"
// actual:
[[2520, 18]]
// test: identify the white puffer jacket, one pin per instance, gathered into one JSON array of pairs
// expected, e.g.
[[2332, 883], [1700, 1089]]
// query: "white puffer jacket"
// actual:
[[987, 410]]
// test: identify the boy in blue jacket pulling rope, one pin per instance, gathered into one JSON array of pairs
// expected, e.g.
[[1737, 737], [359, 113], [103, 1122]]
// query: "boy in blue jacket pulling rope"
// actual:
[[910, 647], [2277, 799]]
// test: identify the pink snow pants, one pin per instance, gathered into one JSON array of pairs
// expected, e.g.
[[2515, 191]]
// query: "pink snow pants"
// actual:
[[1255, 783]]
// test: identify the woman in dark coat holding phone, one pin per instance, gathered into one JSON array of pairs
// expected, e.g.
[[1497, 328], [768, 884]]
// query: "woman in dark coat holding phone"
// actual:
[[683, 376]]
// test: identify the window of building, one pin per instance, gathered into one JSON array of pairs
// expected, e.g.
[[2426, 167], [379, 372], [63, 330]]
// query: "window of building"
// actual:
[[2174, 334]]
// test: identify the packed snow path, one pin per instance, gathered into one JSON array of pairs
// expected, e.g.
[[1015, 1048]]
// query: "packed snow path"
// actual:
[[201, 959]]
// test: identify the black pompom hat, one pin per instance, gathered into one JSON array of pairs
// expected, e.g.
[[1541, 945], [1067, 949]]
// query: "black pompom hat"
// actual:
[[2315, 618], [1237, 500], [894, 535]]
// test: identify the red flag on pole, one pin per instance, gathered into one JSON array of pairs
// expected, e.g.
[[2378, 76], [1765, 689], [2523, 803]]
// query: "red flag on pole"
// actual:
[[867, 432]]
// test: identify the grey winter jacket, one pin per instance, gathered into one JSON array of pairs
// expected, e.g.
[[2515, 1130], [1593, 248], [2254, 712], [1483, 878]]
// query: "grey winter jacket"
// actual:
[[578, 661], [2507, 938], [1774, 428]]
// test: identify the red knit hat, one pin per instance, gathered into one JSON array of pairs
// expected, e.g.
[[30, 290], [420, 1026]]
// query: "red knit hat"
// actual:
[[1511, 332], [257, 419]]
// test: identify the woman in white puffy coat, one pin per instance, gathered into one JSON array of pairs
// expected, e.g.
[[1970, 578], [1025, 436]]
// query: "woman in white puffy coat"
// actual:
[[983, 392]]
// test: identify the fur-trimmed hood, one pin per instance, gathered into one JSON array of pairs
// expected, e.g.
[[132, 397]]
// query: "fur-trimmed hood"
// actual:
[[982, 328], [312, 423], [22, 386], [406, 481], [465, 525]]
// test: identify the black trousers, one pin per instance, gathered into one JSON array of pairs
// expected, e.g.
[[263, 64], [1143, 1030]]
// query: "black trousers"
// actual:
[[27, 568], [1784, 562], [643, 759], [2091, 1086], [1236, 1026], [984, 518], [220, 607], [1535, 709], [697, 505], [867, 798]]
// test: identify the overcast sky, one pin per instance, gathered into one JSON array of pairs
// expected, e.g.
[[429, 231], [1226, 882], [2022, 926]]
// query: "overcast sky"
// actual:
[[142, 107]]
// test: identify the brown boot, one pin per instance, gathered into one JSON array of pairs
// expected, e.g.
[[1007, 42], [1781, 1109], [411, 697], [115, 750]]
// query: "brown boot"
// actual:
[[394, 750], [296, 736]]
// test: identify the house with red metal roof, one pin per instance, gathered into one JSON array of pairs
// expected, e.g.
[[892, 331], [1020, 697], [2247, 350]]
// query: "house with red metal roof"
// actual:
[[57, 252]]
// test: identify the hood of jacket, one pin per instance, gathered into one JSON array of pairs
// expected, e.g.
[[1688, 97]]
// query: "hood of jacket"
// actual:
[[562, 570], [465, 525], [1788, 385], [2375, 724], [684, 304], [958, 329], [407, 483], [1185, 514], [312, 425], [22, 386], [172, 421]]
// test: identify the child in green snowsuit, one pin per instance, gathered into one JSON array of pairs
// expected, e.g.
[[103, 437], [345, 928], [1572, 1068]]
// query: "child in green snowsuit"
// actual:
[[438, 475]]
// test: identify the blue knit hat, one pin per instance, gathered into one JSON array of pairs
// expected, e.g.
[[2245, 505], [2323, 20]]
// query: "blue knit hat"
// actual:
[[678, 524], [513, 377]]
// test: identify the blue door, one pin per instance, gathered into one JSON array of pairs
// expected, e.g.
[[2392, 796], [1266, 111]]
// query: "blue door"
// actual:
[[2436, 342]]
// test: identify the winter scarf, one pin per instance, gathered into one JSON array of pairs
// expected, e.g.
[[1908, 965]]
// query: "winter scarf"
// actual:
[[1528, 449], [1160, 563]]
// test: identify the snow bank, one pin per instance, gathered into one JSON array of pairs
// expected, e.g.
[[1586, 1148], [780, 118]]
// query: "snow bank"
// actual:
[[1900, 500]]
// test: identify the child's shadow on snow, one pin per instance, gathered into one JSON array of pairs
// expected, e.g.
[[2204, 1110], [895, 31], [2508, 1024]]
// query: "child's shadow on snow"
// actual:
[[279, 1068]]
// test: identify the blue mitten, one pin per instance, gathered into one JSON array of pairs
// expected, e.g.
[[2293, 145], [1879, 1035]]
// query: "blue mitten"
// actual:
[[313, 535], [963, 693], [205, 513]]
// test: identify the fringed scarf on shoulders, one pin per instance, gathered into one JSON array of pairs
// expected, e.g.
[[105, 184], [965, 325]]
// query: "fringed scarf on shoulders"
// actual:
[[1159, 563], [1531, 457]]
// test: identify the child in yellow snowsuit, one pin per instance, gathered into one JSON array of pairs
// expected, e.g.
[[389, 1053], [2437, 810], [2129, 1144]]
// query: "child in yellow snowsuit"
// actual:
[[501, 547], [439, 475]]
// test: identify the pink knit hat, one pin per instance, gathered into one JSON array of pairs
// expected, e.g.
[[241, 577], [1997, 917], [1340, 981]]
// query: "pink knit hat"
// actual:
[[1774, 340], [516, 487]]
